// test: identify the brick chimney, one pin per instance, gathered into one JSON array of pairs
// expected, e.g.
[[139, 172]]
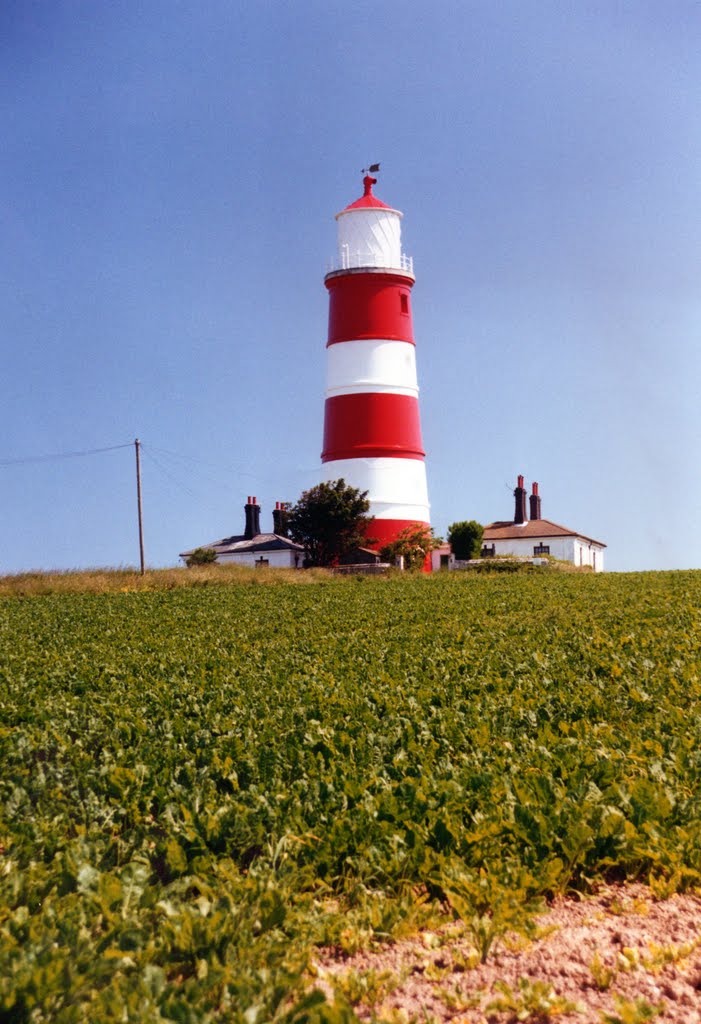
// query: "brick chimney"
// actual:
[[520, 496], [252, 510], [534, 502], [280, 519]]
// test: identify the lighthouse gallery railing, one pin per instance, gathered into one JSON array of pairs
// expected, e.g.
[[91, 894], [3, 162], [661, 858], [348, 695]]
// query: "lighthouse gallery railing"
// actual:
[[354, 260]]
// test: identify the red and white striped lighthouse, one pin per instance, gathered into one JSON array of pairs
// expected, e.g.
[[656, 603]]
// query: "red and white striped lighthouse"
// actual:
[[372, 432]]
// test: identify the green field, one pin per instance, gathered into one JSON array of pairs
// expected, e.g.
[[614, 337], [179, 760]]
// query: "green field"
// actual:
[[199, 785]]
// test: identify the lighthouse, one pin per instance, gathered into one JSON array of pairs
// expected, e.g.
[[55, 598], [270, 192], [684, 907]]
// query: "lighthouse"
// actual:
[[372, 430]]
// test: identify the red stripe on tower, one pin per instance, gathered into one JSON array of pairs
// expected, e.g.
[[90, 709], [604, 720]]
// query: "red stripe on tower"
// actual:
[[363, 305], [372, 432]]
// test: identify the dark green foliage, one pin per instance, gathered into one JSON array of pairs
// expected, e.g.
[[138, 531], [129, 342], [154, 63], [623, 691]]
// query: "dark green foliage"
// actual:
[[465, 539], [188, 776], [201, 556], [505, 564], [329, 520]]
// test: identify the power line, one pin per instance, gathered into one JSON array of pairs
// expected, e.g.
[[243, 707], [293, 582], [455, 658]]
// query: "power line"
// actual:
[[56, 456], [59, 456], [205, 462], [148, 452], [224, 467]]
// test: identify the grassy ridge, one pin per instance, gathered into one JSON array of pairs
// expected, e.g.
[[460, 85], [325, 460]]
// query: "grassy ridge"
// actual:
[[200, 783], [116, 581]]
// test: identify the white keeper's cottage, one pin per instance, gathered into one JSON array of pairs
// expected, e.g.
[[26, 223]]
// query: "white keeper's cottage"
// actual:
[[255, 548], [530, 538]]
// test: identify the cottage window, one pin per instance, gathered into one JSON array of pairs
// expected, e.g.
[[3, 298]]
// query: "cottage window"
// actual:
[[541, 549]]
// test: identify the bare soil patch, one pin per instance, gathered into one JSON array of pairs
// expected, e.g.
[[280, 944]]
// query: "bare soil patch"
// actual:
[[614, 956]]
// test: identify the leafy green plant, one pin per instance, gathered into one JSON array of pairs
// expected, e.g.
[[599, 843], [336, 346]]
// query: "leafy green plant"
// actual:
[[364, 987], [372, 917], [627, 1011], [658, 957], [457, 999], [534, 1001], [602, 972], [489, 904], [628, 959]]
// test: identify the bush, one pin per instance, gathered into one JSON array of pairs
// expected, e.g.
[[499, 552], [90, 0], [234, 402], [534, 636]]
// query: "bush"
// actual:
[[414, 544], [329, 520], [465, 539], [201, 556]]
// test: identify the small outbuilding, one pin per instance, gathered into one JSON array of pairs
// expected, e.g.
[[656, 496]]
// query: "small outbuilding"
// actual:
[[442, 558], [255, 548], [360, 556]]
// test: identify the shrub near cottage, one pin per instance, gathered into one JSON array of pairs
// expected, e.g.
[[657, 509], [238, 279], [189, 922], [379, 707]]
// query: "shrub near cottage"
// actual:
[[201, 556], [200, 784]]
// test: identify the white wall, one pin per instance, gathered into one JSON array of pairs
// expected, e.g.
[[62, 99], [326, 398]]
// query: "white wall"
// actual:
[[369, 237], [276, 559], [436, 558], [588, 554], [568, 549]]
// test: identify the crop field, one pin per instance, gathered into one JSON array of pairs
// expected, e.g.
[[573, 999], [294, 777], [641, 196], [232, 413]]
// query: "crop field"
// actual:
[[201, 785]]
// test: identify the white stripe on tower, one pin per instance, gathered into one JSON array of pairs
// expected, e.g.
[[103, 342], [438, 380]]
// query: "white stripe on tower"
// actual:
[[397, 486], [372, 432], [382, 366]]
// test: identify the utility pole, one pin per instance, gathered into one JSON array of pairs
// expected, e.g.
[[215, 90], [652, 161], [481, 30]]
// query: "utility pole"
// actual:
[[137, 446]]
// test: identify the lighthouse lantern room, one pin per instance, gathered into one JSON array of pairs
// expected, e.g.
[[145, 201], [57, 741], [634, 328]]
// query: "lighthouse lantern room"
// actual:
[[372, 432]]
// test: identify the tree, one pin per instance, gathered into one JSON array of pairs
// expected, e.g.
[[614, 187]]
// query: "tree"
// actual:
[[465, 539], [413, 544], [329, 520], [201, 556]]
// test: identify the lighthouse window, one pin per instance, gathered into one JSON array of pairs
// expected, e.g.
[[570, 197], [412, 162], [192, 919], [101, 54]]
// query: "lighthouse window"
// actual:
[[404, 303]]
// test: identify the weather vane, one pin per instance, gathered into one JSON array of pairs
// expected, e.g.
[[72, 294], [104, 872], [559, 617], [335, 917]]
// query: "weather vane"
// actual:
[[372, 169]]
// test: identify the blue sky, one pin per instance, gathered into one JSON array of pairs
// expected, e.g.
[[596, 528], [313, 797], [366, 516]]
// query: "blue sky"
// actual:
[[169, 176]]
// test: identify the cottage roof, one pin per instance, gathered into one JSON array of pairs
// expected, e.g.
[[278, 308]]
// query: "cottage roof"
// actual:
[[533, 529], [249, 545]]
